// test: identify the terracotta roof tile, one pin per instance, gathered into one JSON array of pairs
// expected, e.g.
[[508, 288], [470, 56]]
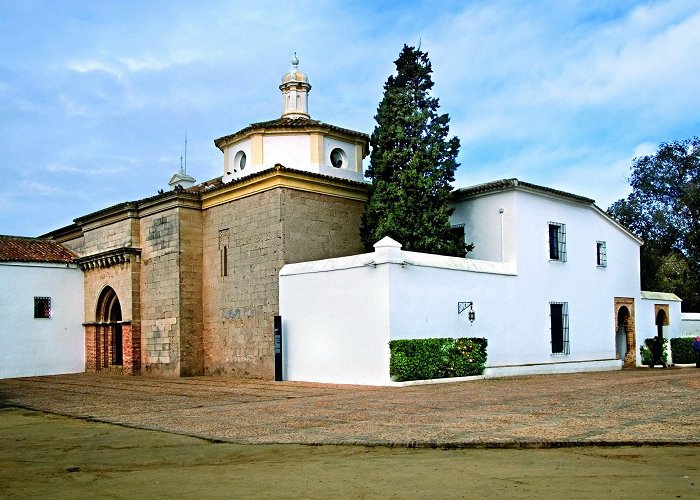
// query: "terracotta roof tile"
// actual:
[[21, 249], [506, 184], [289, 123]]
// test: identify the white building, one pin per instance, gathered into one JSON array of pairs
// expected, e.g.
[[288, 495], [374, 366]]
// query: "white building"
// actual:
[[41, 306], [553, 282]]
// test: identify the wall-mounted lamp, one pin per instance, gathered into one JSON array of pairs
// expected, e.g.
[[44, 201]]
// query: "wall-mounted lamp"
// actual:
[[463, 306]]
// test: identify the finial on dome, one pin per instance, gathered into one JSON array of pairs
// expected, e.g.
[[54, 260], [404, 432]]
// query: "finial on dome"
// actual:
[[295, 92]]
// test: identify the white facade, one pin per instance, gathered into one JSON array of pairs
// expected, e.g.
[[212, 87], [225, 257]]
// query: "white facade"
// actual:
[[339, 314], [690, 324], [41, 346]]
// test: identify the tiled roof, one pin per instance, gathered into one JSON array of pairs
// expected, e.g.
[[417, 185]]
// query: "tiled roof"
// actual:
[[21, 249], [289, 123], [217, 183], [505, 184]]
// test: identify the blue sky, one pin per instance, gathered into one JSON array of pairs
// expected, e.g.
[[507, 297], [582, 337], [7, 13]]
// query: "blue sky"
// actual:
[[96, 96]]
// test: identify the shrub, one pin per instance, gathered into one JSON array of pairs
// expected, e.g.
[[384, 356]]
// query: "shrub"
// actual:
[[682, 350], [421, 359], [646, 350]]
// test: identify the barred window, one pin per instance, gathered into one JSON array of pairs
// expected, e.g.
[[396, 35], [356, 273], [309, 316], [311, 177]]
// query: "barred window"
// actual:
[[557, 241], [457, 233], [559, 325], [601, 254], [42, 307]]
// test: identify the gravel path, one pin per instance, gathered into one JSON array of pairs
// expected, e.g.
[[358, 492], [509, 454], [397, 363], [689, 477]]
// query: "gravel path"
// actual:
[[630, 407]]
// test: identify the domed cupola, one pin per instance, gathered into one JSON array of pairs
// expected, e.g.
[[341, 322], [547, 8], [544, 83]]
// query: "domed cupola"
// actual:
[[295, 92]]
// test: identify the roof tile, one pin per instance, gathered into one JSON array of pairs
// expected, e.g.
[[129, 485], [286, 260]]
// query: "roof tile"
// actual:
[[21, 249]]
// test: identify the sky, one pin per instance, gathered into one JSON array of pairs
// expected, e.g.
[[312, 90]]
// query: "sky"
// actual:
[[97, 96]]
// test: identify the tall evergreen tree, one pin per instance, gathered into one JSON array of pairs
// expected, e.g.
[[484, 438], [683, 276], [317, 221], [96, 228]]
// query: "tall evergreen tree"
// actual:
[[412, 164], [664, 210]]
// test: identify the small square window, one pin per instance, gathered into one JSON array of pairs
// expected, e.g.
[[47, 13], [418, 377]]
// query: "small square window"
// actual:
[[557, 241], [42, 307], [601, 254]]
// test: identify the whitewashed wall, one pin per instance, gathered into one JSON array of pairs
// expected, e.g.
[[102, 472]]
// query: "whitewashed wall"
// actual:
[[690, 324], [335, 321], [31, 346], [339, 314]]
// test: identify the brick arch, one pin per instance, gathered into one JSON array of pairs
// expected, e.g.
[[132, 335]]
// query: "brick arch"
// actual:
[[110, 342], [624, 312]]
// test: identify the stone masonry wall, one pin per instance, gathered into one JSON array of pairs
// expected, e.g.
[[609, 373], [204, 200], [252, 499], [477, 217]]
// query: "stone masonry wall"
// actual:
[[318, 226], [119, 234], [261, 233], [239, 303], [160, 286], [191, 327]]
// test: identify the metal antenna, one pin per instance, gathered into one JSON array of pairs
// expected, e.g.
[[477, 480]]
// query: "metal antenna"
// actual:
[[185, 170]]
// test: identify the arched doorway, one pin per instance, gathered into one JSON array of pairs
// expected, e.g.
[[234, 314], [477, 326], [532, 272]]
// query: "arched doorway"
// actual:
[[625, 331], [661, 321], [109, 317], [621, 346]]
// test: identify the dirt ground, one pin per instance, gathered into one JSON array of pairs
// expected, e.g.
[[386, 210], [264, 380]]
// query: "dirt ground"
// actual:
[[44, 455]]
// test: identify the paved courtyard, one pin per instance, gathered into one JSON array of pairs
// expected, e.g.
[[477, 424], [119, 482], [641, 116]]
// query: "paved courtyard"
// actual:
[[642, 406]]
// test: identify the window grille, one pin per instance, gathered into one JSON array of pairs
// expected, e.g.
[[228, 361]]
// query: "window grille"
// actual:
[[42, 307], [601, 254], [557, 241], [559, 327]]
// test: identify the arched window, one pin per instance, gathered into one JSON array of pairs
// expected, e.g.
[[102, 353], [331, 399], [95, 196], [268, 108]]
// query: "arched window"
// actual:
[[109, 312]]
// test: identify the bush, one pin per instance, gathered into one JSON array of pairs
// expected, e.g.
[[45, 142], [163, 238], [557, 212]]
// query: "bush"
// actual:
[[648, 354], [421, 359], [682, 350]]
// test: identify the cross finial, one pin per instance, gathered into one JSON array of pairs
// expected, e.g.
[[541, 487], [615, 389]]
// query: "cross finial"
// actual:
[[295, 61]]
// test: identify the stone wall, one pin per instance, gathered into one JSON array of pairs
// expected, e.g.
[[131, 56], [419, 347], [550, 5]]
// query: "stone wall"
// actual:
[[160, 286], [239, 303], [123, 233], [190, 282], [261, 233], [319, 226]]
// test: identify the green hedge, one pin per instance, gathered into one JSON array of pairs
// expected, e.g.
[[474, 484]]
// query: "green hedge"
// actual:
[[646, 350], [682, 350], [422, 359]]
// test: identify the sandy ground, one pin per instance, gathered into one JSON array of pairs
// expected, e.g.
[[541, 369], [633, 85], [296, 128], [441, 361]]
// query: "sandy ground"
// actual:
[[44, 455]]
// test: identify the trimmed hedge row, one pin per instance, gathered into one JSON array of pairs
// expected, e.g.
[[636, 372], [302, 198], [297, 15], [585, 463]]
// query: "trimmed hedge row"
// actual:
[[682, 350], [422, 359]]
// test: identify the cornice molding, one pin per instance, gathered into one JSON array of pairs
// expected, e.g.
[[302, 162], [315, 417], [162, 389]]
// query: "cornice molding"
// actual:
[[110, 258]]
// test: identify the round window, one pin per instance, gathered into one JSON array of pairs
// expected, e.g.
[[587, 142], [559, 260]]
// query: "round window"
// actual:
[[338, 158], [239, 161]]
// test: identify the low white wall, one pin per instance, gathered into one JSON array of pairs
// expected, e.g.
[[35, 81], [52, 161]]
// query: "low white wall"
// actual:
[[335, 324], [339, 315], [690, 324], [646, 322], [31, 346]]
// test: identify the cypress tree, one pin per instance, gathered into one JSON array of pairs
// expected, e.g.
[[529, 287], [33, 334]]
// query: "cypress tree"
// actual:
[[412, 165]]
